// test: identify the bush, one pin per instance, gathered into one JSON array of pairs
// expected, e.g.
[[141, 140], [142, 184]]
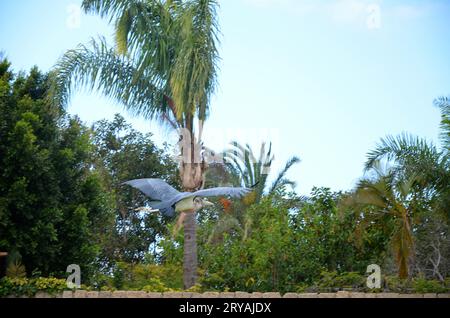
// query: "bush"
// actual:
[[421, 285], [29, 287], [152, 278], [155, 285], [332, 281], [415, 285], [397, 285], [351, 280]]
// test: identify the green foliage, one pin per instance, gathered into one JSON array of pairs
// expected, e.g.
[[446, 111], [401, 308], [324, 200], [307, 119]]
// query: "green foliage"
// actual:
[[29, 287], [258, 262], [253, 171], [147, 277], [422, 285], [415, 285], [412, 199], [332, 281], [16, 270], [155, 285], [164, 63], [48, 208], [444, 105], [61, 199], [283, 243], [121, 154]]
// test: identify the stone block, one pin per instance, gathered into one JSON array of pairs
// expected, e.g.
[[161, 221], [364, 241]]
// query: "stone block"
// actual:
[[308, 295], [240, 294], [80, 294], [104, 294], [137, 294], [172, 295], [119, 294], [327, 295], [271, 295], [67, 294], [210, 295]]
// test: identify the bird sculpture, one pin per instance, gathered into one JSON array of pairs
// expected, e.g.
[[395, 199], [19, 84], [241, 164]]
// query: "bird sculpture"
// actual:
[[168, 200]]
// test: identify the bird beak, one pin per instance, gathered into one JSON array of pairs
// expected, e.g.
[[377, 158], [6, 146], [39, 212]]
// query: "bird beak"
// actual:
[[207, 203]]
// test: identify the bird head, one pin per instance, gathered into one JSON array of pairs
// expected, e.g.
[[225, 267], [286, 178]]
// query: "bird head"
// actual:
[[192, 204], [200, 203]]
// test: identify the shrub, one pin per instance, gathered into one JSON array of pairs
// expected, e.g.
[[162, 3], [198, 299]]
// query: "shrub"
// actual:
[[29, 287], [422, 285], [16, 287], [50, 285], [332, 281], [16, 270], [155, 285], [152, 277], [351, 280]]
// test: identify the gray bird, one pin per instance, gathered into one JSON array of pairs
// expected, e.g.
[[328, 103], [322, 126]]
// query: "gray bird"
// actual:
[[168, 200]]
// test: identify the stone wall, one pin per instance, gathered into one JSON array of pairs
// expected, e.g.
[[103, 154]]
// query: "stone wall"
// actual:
[[229, 295]]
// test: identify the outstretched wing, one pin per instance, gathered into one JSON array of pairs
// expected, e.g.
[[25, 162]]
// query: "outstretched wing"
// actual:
[[156, 189], [222, 191]]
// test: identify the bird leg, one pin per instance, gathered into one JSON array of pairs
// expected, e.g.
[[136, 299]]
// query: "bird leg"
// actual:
[[146, 209], [179, 224]]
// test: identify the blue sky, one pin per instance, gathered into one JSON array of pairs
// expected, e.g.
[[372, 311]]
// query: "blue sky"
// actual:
[[324, 80]]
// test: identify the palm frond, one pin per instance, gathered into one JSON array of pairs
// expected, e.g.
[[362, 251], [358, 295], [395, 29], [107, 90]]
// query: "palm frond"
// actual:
[[403, 149], [281, 180], [97, 67], [444, 105]]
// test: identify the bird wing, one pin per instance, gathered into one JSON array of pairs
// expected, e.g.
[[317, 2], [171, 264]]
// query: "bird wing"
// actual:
[[222, 191], [156, 189]]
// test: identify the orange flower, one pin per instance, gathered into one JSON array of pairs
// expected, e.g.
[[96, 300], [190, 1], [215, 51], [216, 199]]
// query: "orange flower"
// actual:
[[226, 204]]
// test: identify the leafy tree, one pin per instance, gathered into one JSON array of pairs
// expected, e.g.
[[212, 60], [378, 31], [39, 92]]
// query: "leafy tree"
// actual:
[[122, 154], [53, 208]]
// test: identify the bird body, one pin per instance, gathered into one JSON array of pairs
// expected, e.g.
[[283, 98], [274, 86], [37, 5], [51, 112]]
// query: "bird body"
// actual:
[[170, 200]]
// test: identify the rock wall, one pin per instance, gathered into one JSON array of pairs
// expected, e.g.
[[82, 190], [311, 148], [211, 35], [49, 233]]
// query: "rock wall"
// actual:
[[143, 294]]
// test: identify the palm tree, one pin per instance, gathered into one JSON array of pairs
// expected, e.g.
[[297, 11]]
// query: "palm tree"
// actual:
[[163, 67], [386, 201], [253, 171], [419, 180], [414, 157], [242, 168]]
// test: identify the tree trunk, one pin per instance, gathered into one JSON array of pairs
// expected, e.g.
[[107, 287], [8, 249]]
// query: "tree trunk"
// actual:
[[190, 251], [191, 172]]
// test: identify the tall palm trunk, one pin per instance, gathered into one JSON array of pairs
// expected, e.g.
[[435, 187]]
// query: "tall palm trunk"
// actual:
[[191, 173], [404, 247], [191, 176], [190, 261]]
